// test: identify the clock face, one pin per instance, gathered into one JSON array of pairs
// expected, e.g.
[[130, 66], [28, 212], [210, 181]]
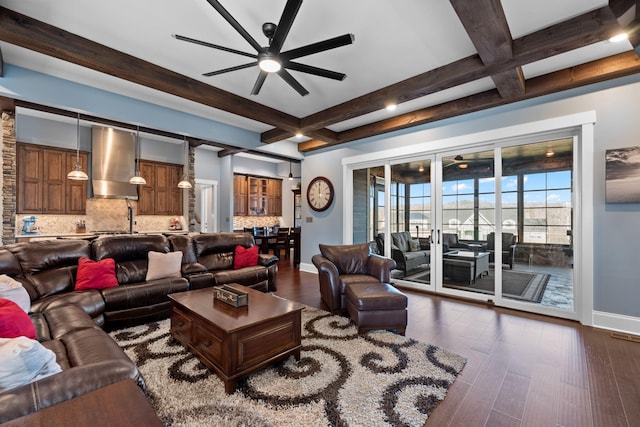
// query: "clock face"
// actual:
[[320, 194]]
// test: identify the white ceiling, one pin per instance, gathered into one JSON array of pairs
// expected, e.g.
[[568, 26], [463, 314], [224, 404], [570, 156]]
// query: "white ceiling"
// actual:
[[394, 40]]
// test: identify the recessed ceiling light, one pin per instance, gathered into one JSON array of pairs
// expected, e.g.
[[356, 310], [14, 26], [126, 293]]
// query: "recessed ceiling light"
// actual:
[[299, 135], [550, 153], [391, 107], [463, 165], [619, 38]]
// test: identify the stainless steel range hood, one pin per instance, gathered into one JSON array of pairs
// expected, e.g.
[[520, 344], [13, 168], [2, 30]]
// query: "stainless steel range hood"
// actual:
[[113, 163]]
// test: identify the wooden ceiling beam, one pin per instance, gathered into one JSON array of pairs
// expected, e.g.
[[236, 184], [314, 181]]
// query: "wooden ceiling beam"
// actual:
[[29, 33], [486, 24], [583, 30], [620, 65]]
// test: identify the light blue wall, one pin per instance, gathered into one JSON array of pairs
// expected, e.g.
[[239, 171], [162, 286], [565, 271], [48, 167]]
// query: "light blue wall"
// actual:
[[23, 84], [617, 106], [617, 227]]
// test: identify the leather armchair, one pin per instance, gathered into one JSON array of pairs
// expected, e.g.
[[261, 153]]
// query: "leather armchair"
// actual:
[[508, 248], [340, 266]]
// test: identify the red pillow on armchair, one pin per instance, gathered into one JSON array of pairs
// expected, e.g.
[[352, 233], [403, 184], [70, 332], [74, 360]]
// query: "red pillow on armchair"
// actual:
[[245, 257]]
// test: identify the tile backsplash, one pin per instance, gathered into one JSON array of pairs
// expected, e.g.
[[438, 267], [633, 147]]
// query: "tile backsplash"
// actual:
[[101, 214]]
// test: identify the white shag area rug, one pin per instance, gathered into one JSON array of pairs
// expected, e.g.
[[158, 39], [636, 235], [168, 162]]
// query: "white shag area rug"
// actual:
[[342, 379]]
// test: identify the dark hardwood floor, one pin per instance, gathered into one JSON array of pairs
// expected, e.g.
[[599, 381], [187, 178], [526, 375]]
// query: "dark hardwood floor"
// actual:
[[522, 369]]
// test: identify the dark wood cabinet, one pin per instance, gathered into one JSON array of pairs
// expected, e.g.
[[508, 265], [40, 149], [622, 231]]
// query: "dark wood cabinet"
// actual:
[[161, 195], [42, 184], [240, 185], [255, 195]]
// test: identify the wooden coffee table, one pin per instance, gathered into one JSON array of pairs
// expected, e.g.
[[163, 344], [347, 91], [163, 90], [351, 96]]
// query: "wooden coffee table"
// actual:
[[236, 341]]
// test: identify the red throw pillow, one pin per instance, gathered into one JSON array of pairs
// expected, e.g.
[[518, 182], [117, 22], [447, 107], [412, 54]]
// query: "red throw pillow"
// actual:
[[96, 275], [245, 257], [14, 322]]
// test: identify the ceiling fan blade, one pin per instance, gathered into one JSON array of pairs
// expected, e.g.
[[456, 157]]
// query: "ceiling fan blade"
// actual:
[[215, 46], [314, 70], [231, 20], [258, 85], [310, 49], [292, 82], [226, 70], [286, 20]]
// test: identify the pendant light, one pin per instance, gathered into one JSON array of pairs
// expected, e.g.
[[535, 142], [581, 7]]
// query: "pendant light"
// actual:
[[290, 174], [77, 174], [185, 178], [137, 179]]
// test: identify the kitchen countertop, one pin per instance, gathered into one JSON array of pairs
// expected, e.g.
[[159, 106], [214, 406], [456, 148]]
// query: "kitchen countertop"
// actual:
[[25, 237]]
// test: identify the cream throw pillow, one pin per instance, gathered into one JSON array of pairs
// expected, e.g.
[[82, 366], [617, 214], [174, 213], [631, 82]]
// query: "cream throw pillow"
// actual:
[[163, 265]]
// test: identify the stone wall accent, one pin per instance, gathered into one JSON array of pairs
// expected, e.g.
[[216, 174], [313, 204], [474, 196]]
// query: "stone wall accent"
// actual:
[[8, 176], [191, 171]]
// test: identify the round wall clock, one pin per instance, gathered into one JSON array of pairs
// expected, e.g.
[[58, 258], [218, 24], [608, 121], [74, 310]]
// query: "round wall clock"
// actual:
[[320, 194]]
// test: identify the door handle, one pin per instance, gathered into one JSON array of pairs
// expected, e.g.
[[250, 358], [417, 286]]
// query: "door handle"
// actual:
[[438, 236]]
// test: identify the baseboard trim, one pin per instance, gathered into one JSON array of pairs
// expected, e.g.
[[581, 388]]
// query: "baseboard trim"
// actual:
[[616, 322], [308, 268]]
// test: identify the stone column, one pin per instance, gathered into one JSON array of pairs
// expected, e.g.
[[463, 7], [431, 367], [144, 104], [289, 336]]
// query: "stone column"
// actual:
[[8, 177], [191, 171]]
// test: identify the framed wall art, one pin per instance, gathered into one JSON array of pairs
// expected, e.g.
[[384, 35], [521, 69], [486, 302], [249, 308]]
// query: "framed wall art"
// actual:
[[622, 171]]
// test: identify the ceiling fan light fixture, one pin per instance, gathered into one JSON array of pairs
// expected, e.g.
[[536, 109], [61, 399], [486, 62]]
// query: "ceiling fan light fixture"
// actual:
[[269, 63], [619, 38]]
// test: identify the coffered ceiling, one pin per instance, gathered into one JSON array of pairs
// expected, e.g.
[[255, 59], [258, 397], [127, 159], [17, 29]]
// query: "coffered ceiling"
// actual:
[[435, 59]]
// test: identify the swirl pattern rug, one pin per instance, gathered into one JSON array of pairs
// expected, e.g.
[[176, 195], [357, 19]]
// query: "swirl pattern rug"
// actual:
[[342, 379]]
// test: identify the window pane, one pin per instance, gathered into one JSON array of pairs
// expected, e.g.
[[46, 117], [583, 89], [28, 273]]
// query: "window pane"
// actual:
[[535, 181], [559, 198], [559, 179], [487, 185]]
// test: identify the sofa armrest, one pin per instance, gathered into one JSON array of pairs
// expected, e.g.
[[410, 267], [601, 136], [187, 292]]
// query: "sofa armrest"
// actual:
[[267, 260], [190, 268], [380, 267], [329, 280], [70, 383], [200, 280]]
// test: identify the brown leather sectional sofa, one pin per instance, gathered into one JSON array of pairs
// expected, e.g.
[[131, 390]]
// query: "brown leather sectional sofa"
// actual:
[[70, 323]]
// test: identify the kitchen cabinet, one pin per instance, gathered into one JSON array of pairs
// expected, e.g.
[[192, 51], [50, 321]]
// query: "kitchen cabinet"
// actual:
[[263, 195], [42, 184], [297, 207], [240, 186], [161, 195]]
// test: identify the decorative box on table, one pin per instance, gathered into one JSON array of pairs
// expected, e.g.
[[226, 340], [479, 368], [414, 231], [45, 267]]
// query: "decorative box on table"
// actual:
[[231, 296]]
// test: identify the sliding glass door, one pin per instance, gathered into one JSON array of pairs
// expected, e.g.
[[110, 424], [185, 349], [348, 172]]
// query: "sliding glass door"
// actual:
[[494, 223]]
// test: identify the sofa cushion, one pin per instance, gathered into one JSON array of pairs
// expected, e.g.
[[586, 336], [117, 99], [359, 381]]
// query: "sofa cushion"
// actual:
[[14, 322], [96, 274], [245, 257], [50, 266], [24, 360], [349, 259], [401, 240], [12, 290], [163, 265]]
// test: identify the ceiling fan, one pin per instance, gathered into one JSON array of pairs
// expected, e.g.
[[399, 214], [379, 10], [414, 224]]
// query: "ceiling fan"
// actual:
[[463, 163], [269, 58]]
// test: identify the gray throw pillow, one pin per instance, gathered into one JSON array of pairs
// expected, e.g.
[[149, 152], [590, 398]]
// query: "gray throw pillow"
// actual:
[[414, 245]]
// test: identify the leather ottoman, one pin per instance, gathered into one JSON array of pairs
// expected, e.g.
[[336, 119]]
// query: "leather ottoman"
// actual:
[[377, 306]]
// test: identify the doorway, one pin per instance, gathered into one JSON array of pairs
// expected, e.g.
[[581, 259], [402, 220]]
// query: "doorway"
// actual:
[[494, 223], [205, 206]]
